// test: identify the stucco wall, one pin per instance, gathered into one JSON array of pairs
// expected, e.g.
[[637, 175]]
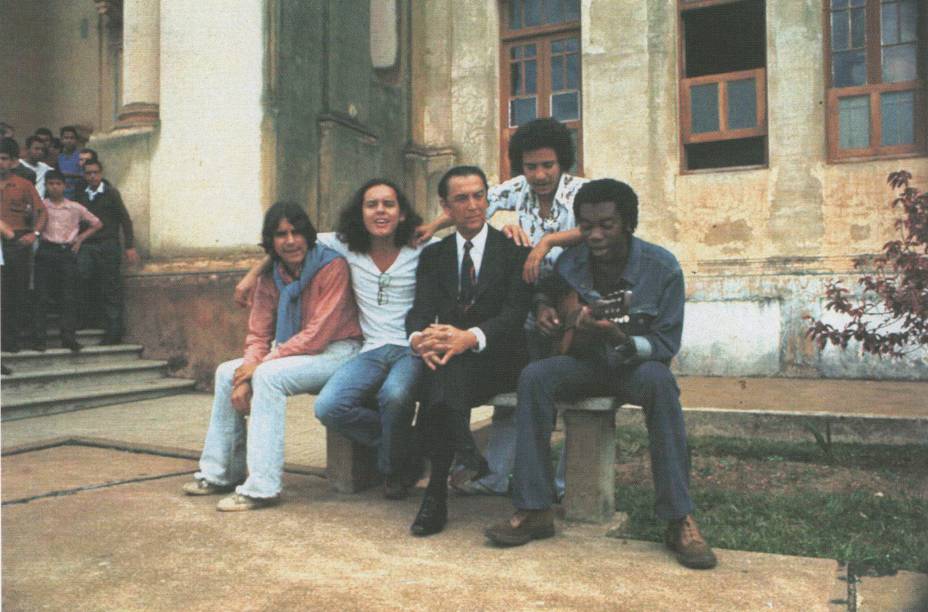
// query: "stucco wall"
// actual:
[[206, 171], [49, 65], [756, 244]]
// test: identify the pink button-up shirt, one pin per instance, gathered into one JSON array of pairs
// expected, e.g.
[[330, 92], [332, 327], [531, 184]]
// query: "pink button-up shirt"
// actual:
[[329, 313], [64, 221]]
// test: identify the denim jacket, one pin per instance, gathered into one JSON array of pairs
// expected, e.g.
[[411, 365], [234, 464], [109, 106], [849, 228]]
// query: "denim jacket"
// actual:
[[655, 278]]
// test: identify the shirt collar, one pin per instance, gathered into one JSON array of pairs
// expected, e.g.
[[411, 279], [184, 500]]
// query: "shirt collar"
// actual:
[[477, 241], [95, 192]]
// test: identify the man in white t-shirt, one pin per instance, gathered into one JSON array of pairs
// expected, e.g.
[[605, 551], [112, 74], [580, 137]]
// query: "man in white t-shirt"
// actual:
[[371, 398], [32, 158]]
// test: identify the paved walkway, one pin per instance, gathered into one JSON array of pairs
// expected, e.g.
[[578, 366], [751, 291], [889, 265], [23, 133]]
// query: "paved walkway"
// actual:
[[96, 528]]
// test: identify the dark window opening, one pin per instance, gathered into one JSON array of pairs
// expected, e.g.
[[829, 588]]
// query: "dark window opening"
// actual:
[[724, 38], [726, 153]]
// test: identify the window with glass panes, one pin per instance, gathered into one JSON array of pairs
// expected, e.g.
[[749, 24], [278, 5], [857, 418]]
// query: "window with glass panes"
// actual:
[[540, 72], [876, 77], [723, 84]]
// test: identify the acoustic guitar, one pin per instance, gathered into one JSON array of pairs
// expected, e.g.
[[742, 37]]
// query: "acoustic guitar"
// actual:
[[614, 307]]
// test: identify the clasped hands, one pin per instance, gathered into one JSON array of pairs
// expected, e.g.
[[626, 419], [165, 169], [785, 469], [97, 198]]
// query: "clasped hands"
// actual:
[[438, 343]]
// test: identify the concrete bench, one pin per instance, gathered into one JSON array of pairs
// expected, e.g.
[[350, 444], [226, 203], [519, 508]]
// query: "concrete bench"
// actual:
[[349, 467], [589, 425], [590, 456]]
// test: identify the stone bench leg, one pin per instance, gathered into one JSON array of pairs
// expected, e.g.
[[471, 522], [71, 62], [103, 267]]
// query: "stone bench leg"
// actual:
[[349, 466], [590, 495]]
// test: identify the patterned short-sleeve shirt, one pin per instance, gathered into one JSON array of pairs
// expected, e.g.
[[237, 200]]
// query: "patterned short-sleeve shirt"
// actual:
[[516, 195]]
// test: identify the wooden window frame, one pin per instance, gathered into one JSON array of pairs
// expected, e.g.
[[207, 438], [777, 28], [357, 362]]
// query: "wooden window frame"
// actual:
[[686, 83], [542, 36], [723, 133], [873, 89]]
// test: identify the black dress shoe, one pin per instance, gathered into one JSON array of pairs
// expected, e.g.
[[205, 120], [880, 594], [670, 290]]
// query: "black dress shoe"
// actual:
[[432, 516], [5, 370], [110, 341], [39, 347]]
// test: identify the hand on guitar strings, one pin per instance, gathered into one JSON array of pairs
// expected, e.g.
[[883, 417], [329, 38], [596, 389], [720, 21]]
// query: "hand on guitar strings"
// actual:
[[587, 322]]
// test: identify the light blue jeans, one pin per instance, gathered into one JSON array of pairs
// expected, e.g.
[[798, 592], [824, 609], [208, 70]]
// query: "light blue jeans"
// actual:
[[371, 400], [225, 456]]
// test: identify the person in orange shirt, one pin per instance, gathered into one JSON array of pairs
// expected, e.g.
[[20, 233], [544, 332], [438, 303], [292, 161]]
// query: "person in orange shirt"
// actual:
[[22, 210], [303, 326]]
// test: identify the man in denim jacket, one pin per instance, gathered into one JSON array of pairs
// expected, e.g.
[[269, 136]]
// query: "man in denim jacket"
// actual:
[[631, 362]]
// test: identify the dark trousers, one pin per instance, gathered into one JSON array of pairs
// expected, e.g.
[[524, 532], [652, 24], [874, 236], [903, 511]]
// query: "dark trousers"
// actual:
[[449, 393], [98, 265], [55, 272], [15, 296], [650, 385]]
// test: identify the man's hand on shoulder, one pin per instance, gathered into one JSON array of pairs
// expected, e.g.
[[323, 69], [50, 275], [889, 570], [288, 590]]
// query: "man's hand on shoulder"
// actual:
[[515, 233]]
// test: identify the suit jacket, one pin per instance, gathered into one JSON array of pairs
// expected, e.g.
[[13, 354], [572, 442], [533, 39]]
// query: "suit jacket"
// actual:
[[501, 301]]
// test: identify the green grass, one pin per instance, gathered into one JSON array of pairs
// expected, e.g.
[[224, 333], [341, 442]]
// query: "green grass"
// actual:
[[879, 535], [865, 456], [875, 534]]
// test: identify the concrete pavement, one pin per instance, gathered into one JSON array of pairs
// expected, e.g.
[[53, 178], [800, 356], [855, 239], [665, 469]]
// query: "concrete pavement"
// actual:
[[102, 526]]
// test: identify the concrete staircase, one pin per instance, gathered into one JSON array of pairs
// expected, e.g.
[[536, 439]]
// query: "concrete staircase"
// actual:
[[61, 381]]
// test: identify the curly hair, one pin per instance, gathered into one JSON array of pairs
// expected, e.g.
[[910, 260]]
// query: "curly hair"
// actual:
[[351, 228], [610, 190], [293, 213], [542, 134]]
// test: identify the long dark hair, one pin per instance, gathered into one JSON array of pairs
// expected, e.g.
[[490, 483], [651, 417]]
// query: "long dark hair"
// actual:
[[295, 215], [351, 220]]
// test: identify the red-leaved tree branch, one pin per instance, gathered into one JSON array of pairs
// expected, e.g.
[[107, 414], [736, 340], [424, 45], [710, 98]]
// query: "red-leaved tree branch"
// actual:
[[891, 316]]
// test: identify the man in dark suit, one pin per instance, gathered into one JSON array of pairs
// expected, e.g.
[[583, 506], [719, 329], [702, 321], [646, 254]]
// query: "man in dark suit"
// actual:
[[465, 323]]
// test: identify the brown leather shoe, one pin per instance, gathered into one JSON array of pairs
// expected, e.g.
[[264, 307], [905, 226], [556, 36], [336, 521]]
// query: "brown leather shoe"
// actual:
[[683, 537], [522, 528]]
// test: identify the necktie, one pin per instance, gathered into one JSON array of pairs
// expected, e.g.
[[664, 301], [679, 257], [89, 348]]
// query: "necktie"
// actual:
[[468, 277]]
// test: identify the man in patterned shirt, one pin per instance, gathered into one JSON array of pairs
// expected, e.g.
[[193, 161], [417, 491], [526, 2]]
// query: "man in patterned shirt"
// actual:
[[541, 194]]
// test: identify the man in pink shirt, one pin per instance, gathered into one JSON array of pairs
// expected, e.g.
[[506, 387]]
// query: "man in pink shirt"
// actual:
[[56, 260], [303, 325]]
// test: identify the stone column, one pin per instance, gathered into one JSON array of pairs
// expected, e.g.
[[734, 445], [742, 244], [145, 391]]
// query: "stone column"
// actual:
[[141, 63]]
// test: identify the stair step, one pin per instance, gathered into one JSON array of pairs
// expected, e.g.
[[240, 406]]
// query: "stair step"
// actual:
[[68, 400], [87, 337], [59, 358], [82, 376]]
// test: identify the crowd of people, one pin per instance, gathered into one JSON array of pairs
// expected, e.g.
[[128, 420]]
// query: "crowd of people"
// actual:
[[61, 222], [380, 315]]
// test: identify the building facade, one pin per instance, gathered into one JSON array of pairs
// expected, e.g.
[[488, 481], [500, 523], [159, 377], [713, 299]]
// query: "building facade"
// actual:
[[757, 134]]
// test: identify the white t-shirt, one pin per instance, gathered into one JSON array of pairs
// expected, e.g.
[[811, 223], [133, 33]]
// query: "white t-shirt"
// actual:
[[383, 298]]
